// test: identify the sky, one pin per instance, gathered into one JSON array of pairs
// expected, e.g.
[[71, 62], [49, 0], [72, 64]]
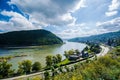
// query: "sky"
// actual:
[[66, 18]]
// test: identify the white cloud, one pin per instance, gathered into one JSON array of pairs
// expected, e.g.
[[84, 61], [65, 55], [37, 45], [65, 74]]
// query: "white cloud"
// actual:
[[111, 13], [110, 26], [80, 5], [72, 33], [114, 5], [80, 30], [113, 8], [16, 22], [50, 12]]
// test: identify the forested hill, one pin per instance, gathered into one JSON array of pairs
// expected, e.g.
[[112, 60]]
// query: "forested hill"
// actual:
[[112, 38], [29, 38]]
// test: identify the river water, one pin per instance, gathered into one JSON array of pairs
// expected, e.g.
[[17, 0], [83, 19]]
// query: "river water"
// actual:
[[39, 53]]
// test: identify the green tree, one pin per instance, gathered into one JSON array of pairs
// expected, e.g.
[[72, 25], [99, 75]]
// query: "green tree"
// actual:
[[47, 75], [54, 60], [20, 71], [59, 58], [86, 48], [66, 54], [49, 60], [26, 66], [61, 69], [77, 51], [36, 66], [71, 52], [5, 69]]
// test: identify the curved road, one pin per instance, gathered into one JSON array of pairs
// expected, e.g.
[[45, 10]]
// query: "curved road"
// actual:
[[104, 51]]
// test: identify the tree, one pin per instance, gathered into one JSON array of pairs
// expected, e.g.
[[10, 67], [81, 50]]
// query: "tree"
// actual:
[[49, 61], [54, 60], [77, 51], [71, 52], [47, 75], [59, 58], [5, 69], [60, 69], [36, 66], [26, 66], [20, 71], [67, 69], [66, 54], [86, 48]]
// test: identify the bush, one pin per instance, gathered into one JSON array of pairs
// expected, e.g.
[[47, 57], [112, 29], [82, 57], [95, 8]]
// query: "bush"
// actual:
[[26, 66], [36, 67], [5, 69], [104, 68]]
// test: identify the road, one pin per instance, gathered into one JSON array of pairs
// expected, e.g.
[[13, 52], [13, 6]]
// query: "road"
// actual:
[[104, 51]]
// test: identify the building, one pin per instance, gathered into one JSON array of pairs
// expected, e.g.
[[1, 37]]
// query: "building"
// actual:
[[73, 57]]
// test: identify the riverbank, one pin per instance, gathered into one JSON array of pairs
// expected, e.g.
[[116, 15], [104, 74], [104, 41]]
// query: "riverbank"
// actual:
[[10, 57], [39, 53], [41, 74]]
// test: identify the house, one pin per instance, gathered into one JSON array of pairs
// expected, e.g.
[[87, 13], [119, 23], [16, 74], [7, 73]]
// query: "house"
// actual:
[[73, 57], [85, 54]]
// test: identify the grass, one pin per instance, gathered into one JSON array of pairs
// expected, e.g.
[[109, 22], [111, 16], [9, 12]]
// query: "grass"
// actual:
[[104, 68], [65, 61]]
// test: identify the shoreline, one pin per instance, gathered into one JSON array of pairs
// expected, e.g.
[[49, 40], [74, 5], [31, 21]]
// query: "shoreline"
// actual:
[[105, 50], [25, 47]]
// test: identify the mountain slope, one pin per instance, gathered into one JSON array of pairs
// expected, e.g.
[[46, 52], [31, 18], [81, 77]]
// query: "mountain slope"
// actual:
[[112, 38], [29, 38]]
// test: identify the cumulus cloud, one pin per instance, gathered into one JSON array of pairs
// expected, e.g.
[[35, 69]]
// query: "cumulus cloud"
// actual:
[[16, 22], [113, 8], [115, 5], [72, 33], [53, 12], [80, 30], [111, 13], [109, 26]]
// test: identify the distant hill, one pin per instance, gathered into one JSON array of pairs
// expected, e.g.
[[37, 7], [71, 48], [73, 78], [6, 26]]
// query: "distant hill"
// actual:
[[112, 38], [29, 38]]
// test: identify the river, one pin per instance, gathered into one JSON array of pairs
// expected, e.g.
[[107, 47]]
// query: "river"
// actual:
[[39, 53]]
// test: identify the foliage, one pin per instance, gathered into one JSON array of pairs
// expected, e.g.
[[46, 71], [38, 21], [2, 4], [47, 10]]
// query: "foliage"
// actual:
[[111, 39], [104, 68], [47, 75], [36, 66], [66, 54], [25, 66], [36, 78], [49, 60], [59, 58], [53, 60], [65, 61], [70, 52], [93, 48], [77, 51], [35, 37], [5, 70]]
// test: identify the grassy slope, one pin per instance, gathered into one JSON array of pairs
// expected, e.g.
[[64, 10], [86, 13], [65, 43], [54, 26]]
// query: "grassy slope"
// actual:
[[107, 68]]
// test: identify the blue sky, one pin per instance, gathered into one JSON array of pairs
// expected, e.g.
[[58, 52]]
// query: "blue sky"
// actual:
[[65, 18]]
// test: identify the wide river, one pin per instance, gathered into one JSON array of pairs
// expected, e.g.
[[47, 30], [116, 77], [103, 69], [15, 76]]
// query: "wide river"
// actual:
[[39, 53]]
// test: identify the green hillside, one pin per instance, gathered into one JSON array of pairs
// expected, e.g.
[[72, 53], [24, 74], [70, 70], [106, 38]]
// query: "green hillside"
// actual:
[[112, 38], [103, 68], [29, 38]]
